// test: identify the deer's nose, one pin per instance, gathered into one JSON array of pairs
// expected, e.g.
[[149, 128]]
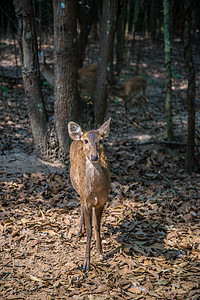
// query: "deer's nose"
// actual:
[[94, 157]]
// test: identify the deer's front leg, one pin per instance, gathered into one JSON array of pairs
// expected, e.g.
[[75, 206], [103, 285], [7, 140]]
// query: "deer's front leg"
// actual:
[[88, 224], [98, 214], [82, 220]]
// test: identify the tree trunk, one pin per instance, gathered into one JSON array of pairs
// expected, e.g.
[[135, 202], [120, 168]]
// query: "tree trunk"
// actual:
[[120, 40], [168, 55], [31, 74], [52, 142], [65, 64], [127, 50], [146, 21], [155, 19], [190, 158], [136, 13], [86, 17], [135, 19], [106, 48]]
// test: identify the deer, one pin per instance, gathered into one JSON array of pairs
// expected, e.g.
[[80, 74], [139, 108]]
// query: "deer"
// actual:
[[90, 177], [87, 80], [86, 85], [86, 76], [88, 71], [46, 71], [132, 89]]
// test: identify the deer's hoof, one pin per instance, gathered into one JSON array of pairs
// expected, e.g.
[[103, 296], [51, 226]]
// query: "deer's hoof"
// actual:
[[101, 257], [80, 234], [86, 265], [82, 230]]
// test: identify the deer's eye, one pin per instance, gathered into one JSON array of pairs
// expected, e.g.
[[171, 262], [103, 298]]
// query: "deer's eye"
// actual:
[[86, 141], [101, 141]]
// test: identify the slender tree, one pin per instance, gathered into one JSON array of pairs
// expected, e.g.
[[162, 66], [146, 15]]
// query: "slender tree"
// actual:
[[87, 13], [135, 18], [146, 8], [155, 19], [65, 65], [127, 50], [190, 157], [120, 39], [31, 74], [106, 47], [168, 55]]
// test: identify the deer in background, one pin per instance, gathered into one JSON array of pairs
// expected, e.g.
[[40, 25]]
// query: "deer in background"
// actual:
[[86, 76], [132, 89], [90, 177], [46, 71], [88, 71], [87, 80]]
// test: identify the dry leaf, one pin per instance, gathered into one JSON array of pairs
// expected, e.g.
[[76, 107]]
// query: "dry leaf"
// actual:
[[34, 278], [102, 288]]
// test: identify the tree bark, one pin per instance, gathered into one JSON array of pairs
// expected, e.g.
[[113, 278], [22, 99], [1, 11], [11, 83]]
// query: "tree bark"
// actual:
[[120, 40], [106, 48], [146, 21], [168, 55], [65, 63], [136, 13], [127, 50], [155, 19], [31, 74], [51, 139], [86, 17], [190, 157]]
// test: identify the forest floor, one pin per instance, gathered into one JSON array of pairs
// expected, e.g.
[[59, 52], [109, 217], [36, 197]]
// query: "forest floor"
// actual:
[[151, 221]]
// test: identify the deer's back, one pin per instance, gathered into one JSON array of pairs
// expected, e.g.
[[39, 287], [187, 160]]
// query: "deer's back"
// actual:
[[86, 85], [88, 71], [135, 84]]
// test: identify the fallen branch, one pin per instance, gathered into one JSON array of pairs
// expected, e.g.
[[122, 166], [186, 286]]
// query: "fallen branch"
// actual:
[[174, 190], [155, 141]]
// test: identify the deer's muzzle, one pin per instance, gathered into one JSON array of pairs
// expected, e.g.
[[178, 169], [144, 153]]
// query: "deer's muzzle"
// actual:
[[94, 158]]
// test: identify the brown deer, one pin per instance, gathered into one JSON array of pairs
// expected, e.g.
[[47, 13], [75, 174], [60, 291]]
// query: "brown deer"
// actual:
[[90, 177], [86, 76], [86, 80], [132, 89], [86, 85], [88, 71], [46, 71]]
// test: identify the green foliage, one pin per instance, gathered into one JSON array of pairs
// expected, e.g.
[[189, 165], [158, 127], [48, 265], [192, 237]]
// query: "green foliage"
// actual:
[[175, 73], [46, 83], [5, 90], [116, 101]]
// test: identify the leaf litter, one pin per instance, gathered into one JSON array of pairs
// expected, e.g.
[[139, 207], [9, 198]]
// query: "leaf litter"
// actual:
[[150, 225]]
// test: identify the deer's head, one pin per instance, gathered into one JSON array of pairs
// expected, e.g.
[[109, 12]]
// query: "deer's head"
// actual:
[[92, 140]]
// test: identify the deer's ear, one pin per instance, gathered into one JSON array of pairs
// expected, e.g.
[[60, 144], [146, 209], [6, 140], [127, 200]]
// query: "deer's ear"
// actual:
[[105, 128], [75, 131]]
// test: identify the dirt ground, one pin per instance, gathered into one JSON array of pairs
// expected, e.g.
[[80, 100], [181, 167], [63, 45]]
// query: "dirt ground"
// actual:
[[151, 221]]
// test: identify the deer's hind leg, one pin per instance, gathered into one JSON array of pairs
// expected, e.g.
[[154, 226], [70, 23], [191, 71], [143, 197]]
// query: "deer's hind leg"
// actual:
[[88, 223]]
